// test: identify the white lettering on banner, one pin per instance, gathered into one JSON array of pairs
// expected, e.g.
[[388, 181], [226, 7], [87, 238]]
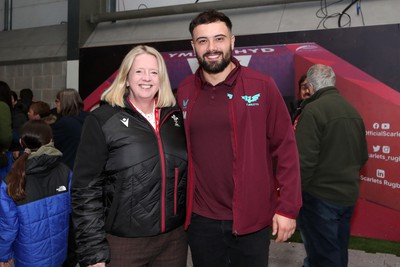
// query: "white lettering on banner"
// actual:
[[393, 185], [394, 158], [382, 133], [183, 54], [384, 157], [235, 52], [242, 51], [377, 156], [267, 50], [253, 50], [370, 179]]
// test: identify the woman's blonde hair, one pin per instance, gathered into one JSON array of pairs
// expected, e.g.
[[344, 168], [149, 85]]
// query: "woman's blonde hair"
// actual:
[[114, 95]]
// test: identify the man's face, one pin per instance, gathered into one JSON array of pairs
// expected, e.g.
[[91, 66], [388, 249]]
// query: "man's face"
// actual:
[[213, 44], [305, 90]]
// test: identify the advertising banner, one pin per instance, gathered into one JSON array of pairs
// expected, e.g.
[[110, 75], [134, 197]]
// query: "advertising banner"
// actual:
[[377, 211]]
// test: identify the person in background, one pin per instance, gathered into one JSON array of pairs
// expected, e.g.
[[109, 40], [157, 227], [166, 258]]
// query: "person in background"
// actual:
[[25, 100], [67, 128], [35, 202], [20, 114], [129, 182], [18, 117], [14, 98], [21, 108], [304, 93], [241, 150], [40, 110], [5, 127], [332, 145], [67, 134]]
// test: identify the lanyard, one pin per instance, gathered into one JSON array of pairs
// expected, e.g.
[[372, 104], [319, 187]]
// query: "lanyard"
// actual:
[[157, 119]]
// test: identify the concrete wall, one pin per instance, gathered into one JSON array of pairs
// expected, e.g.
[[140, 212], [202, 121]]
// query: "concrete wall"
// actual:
[[45, 79]]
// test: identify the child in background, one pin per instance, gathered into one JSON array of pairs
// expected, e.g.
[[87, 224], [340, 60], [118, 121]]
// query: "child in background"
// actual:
[[40, 110], [35, 202]]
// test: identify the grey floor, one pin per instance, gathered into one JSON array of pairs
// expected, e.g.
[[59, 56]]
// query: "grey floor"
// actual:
[[292, 255]]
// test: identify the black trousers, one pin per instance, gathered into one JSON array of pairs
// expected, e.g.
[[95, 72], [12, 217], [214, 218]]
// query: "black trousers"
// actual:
[[72, 259], [212, 244]]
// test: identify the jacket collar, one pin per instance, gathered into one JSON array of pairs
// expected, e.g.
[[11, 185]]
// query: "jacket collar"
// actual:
[[320, 93], [47, 149]]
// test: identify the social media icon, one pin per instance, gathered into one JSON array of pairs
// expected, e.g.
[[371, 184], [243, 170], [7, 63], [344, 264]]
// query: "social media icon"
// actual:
[[380, 173], [386, 149], [375, 125], [376, 148], [385, 126]]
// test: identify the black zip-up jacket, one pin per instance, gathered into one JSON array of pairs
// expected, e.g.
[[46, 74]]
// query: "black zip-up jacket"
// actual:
[[128, 180]]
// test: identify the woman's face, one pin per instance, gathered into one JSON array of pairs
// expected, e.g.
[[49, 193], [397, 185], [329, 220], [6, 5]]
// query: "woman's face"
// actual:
[[143, 78], [58, 105]]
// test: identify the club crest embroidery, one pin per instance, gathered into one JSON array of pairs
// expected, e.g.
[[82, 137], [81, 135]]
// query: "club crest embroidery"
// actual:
[[251, 100], [176, 121]]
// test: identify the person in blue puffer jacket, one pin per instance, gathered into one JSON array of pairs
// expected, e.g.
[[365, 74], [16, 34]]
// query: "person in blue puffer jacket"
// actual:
[[35, 202]]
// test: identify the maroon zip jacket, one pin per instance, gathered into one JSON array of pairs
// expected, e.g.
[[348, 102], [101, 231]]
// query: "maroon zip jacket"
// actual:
[[266, 164]]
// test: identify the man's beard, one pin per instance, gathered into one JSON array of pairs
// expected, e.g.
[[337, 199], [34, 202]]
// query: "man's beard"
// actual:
[[214, 67]]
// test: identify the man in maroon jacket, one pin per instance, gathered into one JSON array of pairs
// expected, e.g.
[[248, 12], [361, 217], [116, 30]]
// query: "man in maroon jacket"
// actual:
[[243, 161]]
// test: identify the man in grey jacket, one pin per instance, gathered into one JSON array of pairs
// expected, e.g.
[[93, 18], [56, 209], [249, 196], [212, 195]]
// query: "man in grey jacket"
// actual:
[[330, 136]]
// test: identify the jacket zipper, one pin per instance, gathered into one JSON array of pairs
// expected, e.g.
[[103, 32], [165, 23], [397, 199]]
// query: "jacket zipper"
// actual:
[[163, 181], [176, 190], [235, 150], [163, 174]]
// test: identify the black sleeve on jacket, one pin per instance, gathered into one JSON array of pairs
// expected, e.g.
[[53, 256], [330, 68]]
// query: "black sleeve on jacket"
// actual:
[[86, 195]]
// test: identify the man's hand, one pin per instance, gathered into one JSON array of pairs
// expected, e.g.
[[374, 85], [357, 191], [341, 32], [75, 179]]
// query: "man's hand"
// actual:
[[283, 226]]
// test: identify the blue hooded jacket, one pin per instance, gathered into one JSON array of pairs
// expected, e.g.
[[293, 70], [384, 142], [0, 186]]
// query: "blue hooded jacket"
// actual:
[[34, 231]]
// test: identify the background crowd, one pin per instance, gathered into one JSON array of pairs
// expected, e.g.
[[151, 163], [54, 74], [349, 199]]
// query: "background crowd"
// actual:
[[34, 140]]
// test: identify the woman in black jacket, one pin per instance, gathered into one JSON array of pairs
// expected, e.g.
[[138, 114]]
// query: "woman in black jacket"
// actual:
[[129, 183]]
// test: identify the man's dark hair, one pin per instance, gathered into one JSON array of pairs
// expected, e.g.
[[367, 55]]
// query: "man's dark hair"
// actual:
[[5, 93], [26, 94], [301, 80], [207, 17]]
